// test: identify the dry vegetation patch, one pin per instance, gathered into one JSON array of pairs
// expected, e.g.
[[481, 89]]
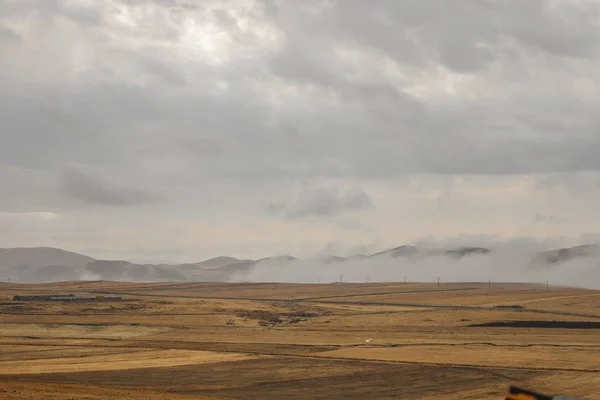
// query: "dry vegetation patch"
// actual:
[[14, 390], [78, 330], [121, 361], [266, 341], [283, 316], [534, 357]]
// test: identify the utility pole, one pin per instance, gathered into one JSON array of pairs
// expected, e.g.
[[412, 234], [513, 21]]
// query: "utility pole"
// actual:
[[405, 279], [341, 278], [438, 279], [367, 278], [547, 287], [489, 285]]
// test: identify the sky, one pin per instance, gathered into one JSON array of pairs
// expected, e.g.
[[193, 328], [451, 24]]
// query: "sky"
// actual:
[[183, 130]]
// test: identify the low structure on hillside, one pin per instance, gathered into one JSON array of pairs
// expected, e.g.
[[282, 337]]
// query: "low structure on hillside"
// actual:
[[67, 297]]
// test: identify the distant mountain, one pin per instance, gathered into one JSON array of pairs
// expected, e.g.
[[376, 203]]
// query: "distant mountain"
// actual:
[[218, 262], [48, 273], [240, 265], [219, 273], [467, 251], [413, 251], [46, 264], [278, 260], [559, 256], [357, 257], [400, 251], [40, 257], [332, 259], [118, 270], [43, 264]]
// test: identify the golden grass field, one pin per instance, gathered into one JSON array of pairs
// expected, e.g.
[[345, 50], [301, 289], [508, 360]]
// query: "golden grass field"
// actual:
[[285, 341]]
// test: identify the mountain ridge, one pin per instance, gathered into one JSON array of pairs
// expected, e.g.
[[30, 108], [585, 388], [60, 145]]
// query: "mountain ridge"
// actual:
[[27, 264], [41, 256]]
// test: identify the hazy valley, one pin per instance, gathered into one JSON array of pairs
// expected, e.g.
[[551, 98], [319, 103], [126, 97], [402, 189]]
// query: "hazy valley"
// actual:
[[561, 266]]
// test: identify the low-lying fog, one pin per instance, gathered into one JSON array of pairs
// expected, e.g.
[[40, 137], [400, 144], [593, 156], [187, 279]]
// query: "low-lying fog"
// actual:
[[499, 266]]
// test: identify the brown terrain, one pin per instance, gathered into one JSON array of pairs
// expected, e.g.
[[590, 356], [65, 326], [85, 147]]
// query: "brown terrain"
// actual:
[[274, 341]]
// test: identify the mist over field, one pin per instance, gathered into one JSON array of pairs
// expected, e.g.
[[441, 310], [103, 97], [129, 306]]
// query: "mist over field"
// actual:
[[573, 266], [510, 262], [500, 266]]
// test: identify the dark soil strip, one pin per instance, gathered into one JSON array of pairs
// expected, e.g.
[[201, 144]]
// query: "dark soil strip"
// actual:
[[539, 324]]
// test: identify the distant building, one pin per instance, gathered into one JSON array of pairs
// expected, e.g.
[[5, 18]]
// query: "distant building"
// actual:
[[67, 297]]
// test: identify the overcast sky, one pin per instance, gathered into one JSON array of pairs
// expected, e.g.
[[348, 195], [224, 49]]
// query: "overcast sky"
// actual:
[[181, 130]]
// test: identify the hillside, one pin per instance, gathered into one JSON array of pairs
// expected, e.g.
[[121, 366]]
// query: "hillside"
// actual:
[[559, 256], [44, 264], [40, 257], [218, 262]]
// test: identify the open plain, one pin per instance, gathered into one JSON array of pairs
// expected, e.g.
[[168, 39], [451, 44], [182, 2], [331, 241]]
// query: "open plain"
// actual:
[[273, 341]]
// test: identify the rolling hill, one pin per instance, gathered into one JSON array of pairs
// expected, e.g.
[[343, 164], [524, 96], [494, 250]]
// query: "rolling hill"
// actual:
[[558, 256], [44, 264], [40, 257]]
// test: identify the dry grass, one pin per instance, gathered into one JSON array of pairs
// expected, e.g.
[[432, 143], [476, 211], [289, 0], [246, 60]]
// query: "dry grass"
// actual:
[[58, 329], [57, 391], [115, 362], [480, 355], [270, 341]]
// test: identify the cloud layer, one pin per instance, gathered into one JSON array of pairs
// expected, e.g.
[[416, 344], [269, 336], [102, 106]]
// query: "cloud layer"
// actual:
[[322, 203], [97, 191], [509, 265], [175, 125]]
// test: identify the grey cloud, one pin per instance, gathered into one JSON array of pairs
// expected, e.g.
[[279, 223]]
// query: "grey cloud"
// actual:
[[9, 35], [465, 36], [162, 70], [540, 218], [46, 126], [456, 139], [377, 127], [322, 202], [97, 191], [516, 243], [386, 105], [89, 14], [222, 114], [224, 17], [575, 183], [27, 190], [17, 8], [458, 28], [563, 28], [463, 55]]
